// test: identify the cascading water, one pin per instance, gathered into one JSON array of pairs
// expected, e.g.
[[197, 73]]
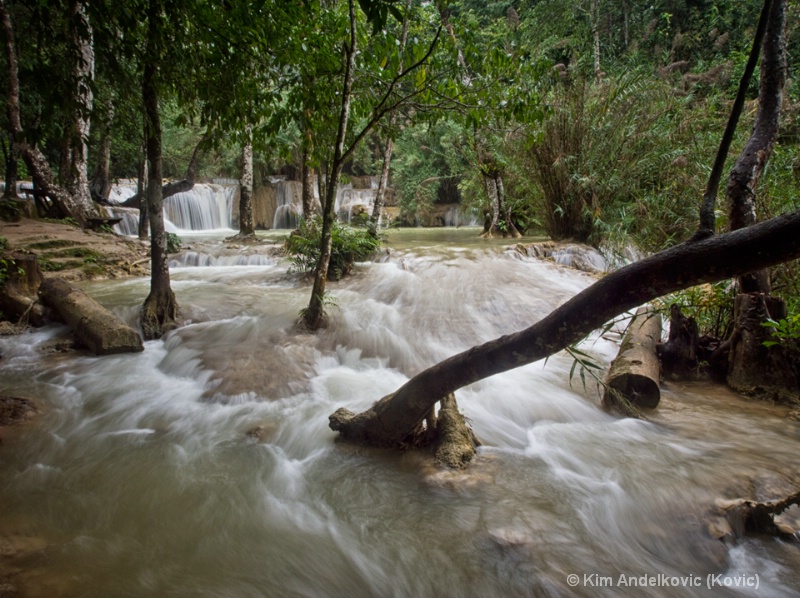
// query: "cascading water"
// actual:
[[288, 205], [205, 207], [204, 465]]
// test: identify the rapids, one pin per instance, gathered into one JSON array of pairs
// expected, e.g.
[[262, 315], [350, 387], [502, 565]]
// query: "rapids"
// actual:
[[204, 465]]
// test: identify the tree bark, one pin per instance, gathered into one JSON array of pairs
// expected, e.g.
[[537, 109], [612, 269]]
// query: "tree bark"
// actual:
[[755, 369], [390, 420], [76, 180], [246, 226], [314, 315], [160, 309], [749, 166], [141, 189], [37, 164], [100, 187], [634, 374], [12, 170], [307, 175], [94, 326], [594, 18], [679, 353]]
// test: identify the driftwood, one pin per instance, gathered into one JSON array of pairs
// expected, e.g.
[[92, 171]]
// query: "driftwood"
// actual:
[[94, 326], [752, 517], [18, 294], [633, 376]]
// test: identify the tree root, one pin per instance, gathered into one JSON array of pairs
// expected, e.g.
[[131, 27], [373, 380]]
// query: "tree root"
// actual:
[[752, 517]]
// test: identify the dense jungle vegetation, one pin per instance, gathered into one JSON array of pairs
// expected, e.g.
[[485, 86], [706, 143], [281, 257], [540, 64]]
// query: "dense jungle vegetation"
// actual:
[[590, 120]]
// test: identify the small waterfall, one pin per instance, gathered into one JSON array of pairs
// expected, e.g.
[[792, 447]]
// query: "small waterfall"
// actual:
[[204, 207], [352, 202], [289, 204]]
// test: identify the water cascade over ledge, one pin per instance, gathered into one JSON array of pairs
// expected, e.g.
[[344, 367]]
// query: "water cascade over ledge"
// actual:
[[204, 466]]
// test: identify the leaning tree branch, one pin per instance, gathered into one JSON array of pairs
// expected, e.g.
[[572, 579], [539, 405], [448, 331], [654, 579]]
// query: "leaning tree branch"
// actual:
[[707, 219], [174, 187], [389, 421]]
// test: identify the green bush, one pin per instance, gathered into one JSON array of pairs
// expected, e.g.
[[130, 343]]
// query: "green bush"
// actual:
[[348, 246], [173, 243]]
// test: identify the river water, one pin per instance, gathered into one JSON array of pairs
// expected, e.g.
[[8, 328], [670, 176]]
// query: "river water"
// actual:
[[141, 479]]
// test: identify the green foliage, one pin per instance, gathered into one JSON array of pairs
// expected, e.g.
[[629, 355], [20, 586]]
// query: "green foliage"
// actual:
[[173, 242], [784, 331], [711, 305], [348, 246]]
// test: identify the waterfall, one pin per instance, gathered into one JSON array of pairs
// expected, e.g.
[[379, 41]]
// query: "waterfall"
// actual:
[[205, 207], [288, 204]]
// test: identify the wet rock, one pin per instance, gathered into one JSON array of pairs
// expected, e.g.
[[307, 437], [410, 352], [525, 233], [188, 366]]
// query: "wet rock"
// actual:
[[14, 410]]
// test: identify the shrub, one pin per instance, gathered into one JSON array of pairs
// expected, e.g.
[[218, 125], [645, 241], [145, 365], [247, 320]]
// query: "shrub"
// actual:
[[348, 246]]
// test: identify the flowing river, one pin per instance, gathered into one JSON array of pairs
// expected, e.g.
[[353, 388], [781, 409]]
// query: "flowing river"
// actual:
[[204, 466]]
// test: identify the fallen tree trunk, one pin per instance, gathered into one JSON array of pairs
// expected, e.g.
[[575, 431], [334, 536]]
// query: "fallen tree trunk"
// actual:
[[94, 326], [633, 376], [390, 420]]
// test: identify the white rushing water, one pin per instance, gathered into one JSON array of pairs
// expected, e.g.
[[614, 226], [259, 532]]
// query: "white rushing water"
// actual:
[[140, 479]]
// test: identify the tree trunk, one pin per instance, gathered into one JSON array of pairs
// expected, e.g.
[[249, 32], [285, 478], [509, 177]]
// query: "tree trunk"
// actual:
[[160, 309], [37, 164], [707, 226], [76, 180], [383, 182], [496, 192], [746, 173], [679, 353], [390, 420], [141, 189], [314, 315], [307, 175], [754, 369], [100, 186], [246, 227], [94, 326], [12, 170]]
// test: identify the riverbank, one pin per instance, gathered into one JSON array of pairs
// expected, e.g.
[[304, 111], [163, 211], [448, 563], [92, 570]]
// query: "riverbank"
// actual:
[[72, 253]]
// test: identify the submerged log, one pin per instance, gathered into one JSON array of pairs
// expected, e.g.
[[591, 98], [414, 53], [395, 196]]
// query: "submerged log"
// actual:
[[94, 326], [633, 376], [755, 369]]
